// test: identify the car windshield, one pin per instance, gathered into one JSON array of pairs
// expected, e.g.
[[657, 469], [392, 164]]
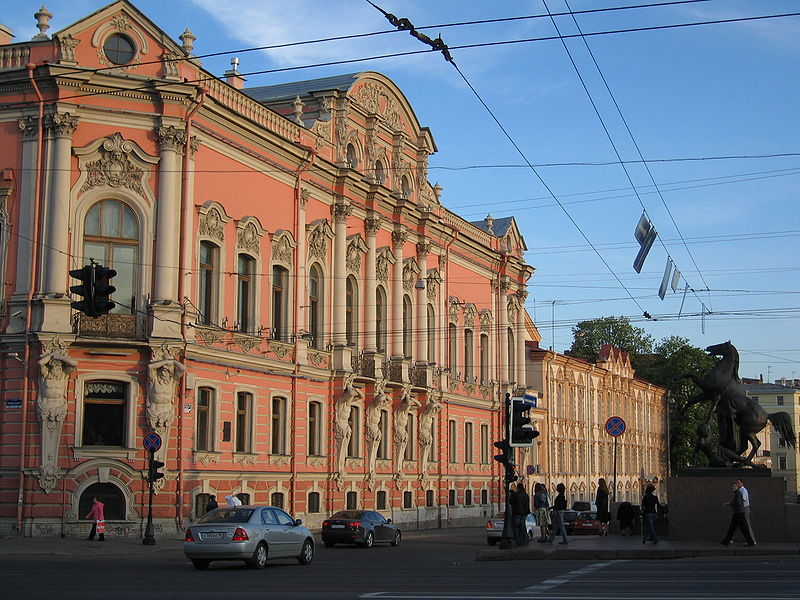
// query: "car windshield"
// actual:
[[228, 515], [348, 514], [587, 515]]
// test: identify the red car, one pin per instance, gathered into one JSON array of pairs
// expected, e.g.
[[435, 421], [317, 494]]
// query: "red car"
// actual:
[[586, 523]]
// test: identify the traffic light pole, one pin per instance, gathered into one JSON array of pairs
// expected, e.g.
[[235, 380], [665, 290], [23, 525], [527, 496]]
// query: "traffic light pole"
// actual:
[[507, 537], [149, 532]]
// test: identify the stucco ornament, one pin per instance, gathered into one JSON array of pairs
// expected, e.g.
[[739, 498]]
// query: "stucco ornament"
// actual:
[[349, 398], [163, 373], [247, 238], [55, 367], [114, 167], [380, 402], [212, 225], [407, 404]]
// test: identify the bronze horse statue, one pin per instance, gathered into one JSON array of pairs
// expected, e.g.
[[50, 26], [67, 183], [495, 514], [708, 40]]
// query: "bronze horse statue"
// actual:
[[739, 418]]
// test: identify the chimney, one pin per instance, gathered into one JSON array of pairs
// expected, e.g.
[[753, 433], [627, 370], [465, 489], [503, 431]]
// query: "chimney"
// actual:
[[232, 75]]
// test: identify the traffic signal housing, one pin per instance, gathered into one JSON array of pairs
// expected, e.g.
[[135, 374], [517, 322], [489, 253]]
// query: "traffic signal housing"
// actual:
[[103, 289], [84, 291], [506, 459], [521, 432], [153, 466]]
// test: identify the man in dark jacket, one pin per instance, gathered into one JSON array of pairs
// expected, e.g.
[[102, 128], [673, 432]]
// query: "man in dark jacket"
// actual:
[[740, 516], [559, 506], [521, 510]]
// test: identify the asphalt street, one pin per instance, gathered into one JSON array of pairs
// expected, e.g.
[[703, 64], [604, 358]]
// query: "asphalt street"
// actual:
[[439, 564]]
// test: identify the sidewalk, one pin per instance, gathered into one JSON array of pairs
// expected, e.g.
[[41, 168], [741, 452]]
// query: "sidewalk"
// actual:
[[615, 547], [80, 546]]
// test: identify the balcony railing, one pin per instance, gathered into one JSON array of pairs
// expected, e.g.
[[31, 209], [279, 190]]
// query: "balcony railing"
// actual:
[[117, 326]]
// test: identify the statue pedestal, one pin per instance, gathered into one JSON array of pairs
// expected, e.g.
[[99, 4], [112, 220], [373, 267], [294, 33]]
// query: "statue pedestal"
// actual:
[[696, 499]]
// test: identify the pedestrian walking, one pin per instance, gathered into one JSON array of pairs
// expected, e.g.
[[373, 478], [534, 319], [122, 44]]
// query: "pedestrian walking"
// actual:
[[97, 515], [559, 506], [212, 503], [601, 501], [521, 510], [740, 514], [541, 508], [232, 501], [650, 509]]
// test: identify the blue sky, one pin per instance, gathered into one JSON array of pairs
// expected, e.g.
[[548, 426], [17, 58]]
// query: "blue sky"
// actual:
[[688, 96]]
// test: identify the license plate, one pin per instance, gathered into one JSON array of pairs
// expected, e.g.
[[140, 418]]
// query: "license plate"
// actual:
[[587, 525], [337, 526], [213, 536]]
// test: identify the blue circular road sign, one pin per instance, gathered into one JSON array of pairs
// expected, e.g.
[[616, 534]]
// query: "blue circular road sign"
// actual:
[[152, 442], [615, 426]]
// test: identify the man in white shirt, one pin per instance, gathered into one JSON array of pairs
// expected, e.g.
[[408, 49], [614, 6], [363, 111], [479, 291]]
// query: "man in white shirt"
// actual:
[[745, 493], [746, 500], [232, 501]]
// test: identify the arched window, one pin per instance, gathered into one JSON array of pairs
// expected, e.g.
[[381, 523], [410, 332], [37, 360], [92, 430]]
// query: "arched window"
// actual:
[[408, 500], [380, 173], [405, 187], [351, 500], [111, 238], [107, 493], [429, 498], [208, 282], [276, 499], [351, 311], [352, 156], [408, 325], [315, 319], [245, 292], [431, 334], [280, 302], [469, 360], [380, 319], [484, 359], [380, 500], [512, 367], [452, 335]]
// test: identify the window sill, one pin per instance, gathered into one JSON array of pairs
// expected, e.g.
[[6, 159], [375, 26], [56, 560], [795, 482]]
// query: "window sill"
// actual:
[[117, 452]]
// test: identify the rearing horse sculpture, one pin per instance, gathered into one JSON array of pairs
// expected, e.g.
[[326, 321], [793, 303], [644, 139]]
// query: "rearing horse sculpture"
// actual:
[[739, 418]]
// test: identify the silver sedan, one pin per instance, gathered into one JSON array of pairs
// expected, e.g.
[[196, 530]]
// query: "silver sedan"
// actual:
[[253, 534]]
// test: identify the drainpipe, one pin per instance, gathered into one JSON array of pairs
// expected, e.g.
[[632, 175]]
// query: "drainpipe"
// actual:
[[309, 161], [37, 194], [181, 293]]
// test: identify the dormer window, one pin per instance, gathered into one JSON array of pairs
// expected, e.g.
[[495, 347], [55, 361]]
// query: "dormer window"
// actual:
[[119, 49]]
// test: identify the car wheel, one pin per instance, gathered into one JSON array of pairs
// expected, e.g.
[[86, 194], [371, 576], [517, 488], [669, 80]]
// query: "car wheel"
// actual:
[[200, 564], [396, 539], [492, 541], [369, 539], [259, 559], [306, 553]]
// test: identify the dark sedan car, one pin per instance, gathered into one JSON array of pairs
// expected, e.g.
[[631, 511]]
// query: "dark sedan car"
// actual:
[[362, 527]]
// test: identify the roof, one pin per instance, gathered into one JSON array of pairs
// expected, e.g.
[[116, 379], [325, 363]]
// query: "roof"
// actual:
[[499, 227], [283, 91], [767, 388]]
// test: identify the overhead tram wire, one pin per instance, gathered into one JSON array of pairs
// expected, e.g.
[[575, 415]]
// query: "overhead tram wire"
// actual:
[[150, 85], [610, 137], [352, 36], [639, 152]]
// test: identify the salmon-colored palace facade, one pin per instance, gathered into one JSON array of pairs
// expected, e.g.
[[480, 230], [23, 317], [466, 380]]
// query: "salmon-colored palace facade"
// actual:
[[298, 316]]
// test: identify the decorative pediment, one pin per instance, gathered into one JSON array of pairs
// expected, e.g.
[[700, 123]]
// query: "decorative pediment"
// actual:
[[487, 319], [411, 273], [248, 235], [318, 234], [383, 260], [212, 221], [283, 245], [455, 309], [434, 280], [116, 163], [355, 252], [470, 313]]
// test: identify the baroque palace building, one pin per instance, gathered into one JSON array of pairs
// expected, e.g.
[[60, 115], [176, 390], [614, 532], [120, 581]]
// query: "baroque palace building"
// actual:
[[297, 315], [577, 400]]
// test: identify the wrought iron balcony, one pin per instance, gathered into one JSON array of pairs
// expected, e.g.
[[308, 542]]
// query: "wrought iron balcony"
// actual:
[[116, 326]]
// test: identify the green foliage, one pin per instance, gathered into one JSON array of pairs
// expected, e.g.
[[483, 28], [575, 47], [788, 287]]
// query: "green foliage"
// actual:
[[590, 335]]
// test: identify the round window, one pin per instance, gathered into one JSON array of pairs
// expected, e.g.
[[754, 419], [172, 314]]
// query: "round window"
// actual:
[[119, 49]]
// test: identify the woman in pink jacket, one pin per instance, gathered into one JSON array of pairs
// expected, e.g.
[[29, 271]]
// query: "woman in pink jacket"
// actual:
[[97, 516]]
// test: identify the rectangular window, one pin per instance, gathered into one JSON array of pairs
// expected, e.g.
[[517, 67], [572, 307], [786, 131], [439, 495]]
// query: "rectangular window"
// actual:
[[276, 499], [468, 442], [380, 500], [452, 440], [412, 439], [245, 293], [313, 502], [104, 413], [780, 400], [407, 500], [383, 446], [280, 277], [352, 500], [207, 281], [244, 414], [467, 497], [453, 353], [314, 429], [203, 439], [484, 445], [469, 361], [429, 498], [782, 463], [451, 497], [484, 496], [353, 447], [278, 445]]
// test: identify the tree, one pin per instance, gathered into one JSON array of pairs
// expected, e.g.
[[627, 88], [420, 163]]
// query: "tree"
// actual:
[[590, 335]]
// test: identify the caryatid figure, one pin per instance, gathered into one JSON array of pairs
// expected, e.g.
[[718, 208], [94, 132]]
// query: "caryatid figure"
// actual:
[[349, 397], [374, 433], [407, 404]]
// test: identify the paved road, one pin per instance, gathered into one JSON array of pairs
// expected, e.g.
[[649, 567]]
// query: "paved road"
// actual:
[[435, 565]]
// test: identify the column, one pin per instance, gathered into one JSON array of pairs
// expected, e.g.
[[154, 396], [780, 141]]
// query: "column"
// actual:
[[371, 226], [502, 325], [57, 211], [423, 248], [396, 331], [520, 341], [171, 142], [339, 211]]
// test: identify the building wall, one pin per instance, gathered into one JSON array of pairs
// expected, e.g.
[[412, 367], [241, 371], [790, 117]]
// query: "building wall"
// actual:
[[241, 396]]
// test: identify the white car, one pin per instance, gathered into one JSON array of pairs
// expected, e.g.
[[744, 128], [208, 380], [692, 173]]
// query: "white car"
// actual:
[[494, 528], [253, 534]]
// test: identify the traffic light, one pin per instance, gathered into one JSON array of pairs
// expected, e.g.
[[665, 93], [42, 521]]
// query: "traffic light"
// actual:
[[521, 431], [103, 289], [152, 469], [85, 291], [506, 459]]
